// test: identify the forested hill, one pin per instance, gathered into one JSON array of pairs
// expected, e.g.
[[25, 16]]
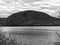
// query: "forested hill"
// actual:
[[2, 20], [31, 17]]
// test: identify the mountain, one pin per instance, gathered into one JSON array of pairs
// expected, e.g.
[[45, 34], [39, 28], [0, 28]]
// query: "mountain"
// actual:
[[31, 18]]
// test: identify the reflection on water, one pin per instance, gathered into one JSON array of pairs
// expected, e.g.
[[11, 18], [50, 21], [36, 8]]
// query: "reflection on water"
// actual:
[[33, 37]]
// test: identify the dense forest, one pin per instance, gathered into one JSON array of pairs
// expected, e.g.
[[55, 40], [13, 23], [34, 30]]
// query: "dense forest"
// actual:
[[31, 18]]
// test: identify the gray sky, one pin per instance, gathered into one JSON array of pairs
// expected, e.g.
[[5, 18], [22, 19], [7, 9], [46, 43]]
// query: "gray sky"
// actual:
[[6, 9]]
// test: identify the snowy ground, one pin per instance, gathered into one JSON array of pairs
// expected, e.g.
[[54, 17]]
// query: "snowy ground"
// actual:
[[40, 40]]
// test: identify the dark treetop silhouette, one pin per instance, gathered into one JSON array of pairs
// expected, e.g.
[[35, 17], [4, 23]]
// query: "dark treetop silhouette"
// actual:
[[31, 18]]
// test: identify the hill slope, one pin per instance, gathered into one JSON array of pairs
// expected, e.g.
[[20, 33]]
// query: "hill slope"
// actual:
[[31, 18]]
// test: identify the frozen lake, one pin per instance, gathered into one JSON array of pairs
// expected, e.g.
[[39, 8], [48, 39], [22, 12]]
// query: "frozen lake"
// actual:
[[33, 35]]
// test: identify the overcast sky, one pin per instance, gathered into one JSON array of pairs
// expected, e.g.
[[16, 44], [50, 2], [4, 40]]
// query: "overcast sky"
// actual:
[[8, 9]]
